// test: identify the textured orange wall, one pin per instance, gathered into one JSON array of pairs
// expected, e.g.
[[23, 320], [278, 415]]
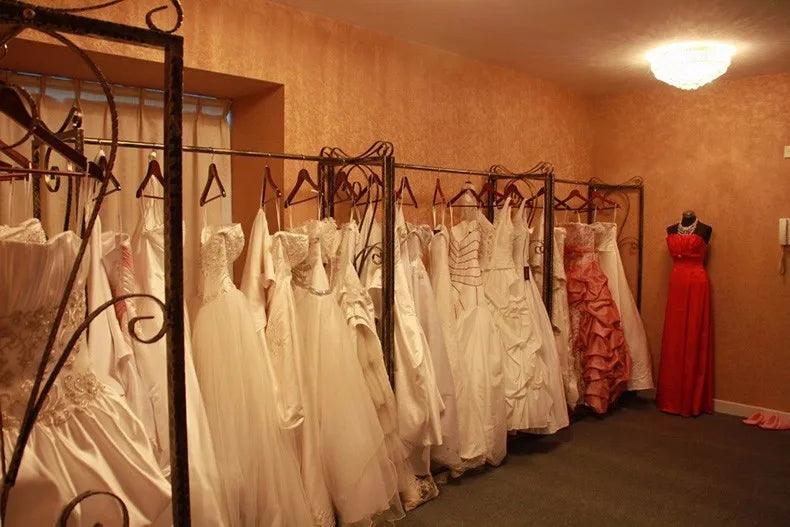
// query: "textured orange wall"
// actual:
[[347, 86], [718, 151]]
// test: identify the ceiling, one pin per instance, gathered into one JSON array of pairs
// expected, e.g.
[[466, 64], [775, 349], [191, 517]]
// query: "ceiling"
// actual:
[[588, 45]]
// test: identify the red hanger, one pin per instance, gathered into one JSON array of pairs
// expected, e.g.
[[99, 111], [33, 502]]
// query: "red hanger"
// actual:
[[466, 190], [267, 181], [564, 204], [437, 192], [213, 176], [404, 185], [153, 170], [115, 185], [302, 177]]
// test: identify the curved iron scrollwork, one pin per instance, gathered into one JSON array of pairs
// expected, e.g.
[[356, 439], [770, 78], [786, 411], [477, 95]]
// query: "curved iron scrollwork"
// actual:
[[149, 20], [45, 378], [64, 516]]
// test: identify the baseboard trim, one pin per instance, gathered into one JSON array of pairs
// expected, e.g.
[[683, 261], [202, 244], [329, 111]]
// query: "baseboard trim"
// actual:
[[721, 406], [743, 410]]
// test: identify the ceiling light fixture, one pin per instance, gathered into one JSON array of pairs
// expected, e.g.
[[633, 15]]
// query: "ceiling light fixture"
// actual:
[[689, 65]]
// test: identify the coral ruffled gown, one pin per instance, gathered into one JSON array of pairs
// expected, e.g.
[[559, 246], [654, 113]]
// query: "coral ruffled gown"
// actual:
[[685, 377], [596, 334]]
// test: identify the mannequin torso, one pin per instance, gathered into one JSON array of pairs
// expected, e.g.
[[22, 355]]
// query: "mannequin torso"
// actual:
[[702, 230]]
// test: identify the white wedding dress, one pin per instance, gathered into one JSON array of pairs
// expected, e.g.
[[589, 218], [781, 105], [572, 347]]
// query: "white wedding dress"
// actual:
[[570, 364], [266, 281], [258, 467], [110, 346], [631, 321], [417, 240], [148, 253], [478, 339], [471, 440], [525, 372], [357, 305], [86, 437], [558, 415], [418, 399], [345, 462]]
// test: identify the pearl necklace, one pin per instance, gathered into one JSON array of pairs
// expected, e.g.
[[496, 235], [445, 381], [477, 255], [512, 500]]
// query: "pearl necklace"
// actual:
[[688, 230]]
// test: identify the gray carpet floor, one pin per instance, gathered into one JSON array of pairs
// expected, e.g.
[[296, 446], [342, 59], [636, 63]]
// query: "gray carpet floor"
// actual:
[[635, 466]]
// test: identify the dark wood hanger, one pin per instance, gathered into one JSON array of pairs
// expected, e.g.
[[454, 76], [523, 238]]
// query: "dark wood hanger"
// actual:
[[213, 176], [12, 105], [486, 191], [114, 185], [564, 204], [404, 185], [153, 170], [512, 191], [595, 194], [463, 191], [301, 178], [342, 185], [438, 193], [269, 181], [15, 155]]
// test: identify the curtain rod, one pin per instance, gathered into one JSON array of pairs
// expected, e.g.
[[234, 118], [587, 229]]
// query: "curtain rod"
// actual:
[[230, 152], [408, 166]]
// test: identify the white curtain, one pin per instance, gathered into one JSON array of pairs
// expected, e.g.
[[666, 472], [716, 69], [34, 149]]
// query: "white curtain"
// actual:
[[140, 118]]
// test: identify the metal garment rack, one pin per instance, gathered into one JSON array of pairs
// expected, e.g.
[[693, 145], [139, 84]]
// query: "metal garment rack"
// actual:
[[329, 161], [17, 17], [635, 184], [496, 173]]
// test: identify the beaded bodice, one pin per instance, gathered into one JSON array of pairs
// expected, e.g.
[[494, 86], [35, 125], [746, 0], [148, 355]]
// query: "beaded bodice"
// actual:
[[579, 244], [323, 239], [559, 250], [605, 236], [33, 277], [222, 244]]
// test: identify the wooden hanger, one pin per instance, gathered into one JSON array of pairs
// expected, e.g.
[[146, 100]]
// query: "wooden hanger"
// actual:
[[468, 189], [301, 178], [269, 181], [437, 192], [564, 204], [487, 190], [512, 191], [153, 170], [114, 185], [404, 185], [213, 176], [602, 198], [12, 105], [342, 185]]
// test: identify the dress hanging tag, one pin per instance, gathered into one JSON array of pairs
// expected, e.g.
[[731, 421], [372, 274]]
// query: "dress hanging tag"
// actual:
[[526, 273]]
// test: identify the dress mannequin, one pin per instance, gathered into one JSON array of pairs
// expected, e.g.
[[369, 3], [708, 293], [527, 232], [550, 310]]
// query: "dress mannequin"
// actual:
[[702, 230]]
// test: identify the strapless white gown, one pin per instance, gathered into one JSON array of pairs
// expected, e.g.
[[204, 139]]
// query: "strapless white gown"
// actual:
[[86, 437], [258, 468], [631, 320]]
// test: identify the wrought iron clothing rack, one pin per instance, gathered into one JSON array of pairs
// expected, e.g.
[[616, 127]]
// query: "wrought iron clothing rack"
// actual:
[[330, 160], [541, 172], [635, 184]]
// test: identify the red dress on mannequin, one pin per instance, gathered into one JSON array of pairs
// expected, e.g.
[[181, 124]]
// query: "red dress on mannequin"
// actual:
[[685, 376]]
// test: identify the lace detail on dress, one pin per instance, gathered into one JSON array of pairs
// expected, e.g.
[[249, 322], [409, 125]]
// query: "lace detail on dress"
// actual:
[[23, 336], [29, 231], [221, 246], [579, 244], [487, 242]]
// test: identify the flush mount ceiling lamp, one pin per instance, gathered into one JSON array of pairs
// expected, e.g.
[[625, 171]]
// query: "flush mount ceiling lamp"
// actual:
[[689, 65]]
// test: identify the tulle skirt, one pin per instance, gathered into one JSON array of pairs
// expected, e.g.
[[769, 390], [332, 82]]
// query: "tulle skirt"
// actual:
[[258, 469]]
